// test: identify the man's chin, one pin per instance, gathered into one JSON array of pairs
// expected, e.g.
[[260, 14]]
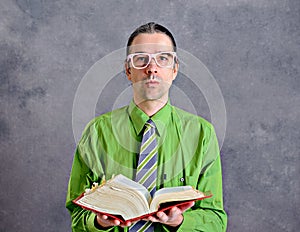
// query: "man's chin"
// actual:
[[152, 97]]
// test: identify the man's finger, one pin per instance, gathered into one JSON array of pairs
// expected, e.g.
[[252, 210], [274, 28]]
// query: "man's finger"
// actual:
[[104, 217], [116, 222], [162, 216], [174, 212], [186, 206]]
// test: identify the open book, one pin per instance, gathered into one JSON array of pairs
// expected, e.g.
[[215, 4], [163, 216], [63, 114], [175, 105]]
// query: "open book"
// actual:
[[127, 200]]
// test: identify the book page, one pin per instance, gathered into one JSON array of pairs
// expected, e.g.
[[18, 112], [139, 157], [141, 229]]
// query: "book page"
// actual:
[[118, 197], [172, 189], [174, 194], [130, 184]]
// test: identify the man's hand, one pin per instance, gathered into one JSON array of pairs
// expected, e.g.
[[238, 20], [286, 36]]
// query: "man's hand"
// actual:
[[172, 217], [105, 221]]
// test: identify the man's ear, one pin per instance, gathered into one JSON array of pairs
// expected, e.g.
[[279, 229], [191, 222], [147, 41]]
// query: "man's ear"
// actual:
[[175, 69], [127, 70]]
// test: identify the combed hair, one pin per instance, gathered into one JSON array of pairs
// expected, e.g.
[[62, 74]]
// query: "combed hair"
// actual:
[[150, 28]]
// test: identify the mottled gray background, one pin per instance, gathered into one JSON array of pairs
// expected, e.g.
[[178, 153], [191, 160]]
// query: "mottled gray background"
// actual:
[[250, 46]]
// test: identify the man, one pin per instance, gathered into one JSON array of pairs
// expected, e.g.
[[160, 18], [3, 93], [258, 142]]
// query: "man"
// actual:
[[187, 148]]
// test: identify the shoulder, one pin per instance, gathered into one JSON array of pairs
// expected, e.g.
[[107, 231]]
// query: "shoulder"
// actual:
[[106, 120], [191, 120], [107, 117], [194, 128]]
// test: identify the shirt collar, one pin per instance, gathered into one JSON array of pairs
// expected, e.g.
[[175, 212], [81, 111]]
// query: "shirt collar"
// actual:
[[139, 118]]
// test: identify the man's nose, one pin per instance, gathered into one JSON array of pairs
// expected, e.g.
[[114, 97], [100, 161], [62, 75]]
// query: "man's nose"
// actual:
[[152, 67]]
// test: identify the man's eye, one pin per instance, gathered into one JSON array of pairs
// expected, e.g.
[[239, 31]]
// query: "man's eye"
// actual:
[[163, 58], [140, 58]]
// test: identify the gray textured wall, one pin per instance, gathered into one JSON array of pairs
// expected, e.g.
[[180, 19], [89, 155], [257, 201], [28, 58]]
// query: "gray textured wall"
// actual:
[[250, 46]]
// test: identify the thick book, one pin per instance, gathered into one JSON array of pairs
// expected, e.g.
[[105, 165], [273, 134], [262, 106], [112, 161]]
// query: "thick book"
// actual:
[[127, 200]]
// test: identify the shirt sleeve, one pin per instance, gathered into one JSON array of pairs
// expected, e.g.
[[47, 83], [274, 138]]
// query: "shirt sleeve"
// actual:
[[82, 220], [86, 170], [207, 215]]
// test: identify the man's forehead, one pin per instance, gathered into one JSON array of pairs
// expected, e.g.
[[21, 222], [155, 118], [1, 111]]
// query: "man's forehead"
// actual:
[[150, 47]]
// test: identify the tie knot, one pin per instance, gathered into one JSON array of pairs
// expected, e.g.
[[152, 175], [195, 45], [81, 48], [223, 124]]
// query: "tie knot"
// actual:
[[150, 124]]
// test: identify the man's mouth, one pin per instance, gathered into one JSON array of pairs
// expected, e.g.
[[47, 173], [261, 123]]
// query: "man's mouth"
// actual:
[[152, 80], [152, 83]]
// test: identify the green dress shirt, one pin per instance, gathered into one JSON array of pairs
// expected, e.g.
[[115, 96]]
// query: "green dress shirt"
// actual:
[[188, 154]]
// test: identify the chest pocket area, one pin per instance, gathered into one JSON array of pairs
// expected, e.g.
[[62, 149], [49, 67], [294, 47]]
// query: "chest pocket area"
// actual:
[[183, 180], [188, 180]]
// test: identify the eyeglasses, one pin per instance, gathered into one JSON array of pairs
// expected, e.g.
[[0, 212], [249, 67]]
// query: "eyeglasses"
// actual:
[[142, 60]]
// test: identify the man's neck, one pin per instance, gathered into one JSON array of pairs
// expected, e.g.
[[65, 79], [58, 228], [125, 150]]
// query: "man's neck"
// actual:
[[151, 107]]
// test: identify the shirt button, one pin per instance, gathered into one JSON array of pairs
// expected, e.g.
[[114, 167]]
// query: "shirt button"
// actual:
[[181, 179]]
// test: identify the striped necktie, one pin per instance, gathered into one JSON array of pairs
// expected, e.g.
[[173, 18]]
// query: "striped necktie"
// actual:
[[147, 169]]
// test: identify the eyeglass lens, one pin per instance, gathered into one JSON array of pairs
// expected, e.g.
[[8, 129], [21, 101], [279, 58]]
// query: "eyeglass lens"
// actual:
[[163, 59]]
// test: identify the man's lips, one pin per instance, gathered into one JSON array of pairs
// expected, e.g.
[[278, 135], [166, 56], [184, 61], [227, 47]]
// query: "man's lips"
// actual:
[[153, 80], [152, 83]]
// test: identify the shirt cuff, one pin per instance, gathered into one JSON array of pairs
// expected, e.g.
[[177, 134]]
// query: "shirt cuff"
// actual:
[[188, 224], [92, 227]]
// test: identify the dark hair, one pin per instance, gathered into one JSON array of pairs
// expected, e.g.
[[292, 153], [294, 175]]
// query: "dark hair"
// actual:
[[150, 28]]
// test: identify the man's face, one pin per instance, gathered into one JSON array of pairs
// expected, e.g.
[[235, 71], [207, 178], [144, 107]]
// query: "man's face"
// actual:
[[152, 82]]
